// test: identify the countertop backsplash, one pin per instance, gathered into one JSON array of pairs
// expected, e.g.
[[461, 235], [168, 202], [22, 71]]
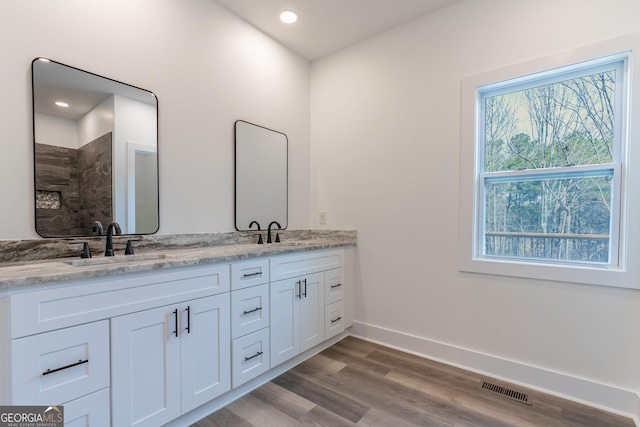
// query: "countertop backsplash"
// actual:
[[53, 248]]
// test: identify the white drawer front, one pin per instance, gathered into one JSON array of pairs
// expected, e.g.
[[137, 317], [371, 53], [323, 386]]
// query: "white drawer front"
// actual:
[[60, 366], [288, 266], [249, 310], [333, 285], [250, 356], [249, 273], [41, 311], [88, 411], [334, 319]]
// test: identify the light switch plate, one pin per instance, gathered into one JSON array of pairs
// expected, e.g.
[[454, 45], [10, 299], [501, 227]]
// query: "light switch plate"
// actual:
[[322, 218]]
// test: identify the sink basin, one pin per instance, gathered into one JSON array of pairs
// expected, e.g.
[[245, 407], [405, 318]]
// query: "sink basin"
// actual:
[[298, 243], [114, 260]]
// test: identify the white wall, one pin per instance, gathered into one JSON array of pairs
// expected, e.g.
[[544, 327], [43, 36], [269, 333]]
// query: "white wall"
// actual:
[[208, 69], [97, 122], [56, 131], [385, 137]]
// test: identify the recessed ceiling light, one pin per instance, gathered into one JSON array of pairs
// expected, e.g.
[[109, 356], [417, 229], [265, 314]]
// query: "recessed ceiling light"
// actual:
[[62, 104], [288, 16]]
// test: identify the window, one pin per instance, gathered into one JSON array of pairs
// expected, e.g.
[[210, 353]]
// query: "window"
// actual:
[[548, 152], [543, 163]]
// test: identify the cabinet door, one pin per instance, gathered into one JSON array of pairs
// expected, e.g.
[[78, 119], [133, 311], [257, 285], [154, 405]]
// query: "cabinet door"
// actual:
[[145, 374], [311, 311], [205, 341], [285, 325]]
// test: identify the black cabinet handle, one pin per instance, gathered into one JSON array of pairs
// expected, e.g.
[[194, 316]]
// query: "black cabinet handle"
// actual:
[[259, 273], [305, 288], [252, 357], [252, 311], [79, 362], [335, 320], [175, 315], [298, 289], [188, 319], [336, 286]]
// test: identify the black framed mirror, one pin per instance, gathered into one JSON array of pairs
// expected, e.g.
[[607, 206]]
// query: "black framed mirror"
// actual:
[[261, 181], [95, 153]]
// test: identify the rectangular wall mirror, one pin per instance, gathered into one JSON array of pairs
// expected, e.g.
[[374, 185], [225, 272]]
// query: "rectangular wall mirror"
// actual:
[[261, 176], [96, 153]]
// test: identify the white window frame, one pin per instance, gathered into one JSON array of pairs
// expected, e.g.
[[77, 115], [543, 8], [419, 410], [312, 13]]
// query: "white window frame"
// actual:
[[621, 271]]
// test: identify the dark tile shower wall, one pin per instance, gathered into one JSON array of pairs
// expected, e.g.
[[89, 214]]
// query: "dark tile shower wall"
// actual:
[[83, 178], [96, 185], [56, 172]]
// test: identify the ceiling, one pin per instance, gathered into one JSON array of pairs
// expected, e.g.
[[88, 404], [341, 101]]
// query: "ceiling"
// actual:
[[326, 26], [82, 90]]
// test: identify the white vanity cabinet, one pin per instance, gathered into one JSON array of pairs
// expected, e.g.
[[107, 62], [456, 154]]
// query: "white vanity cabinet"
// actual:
[[250, 310], [298, 301], [146, 348], [169, 360], [70, 344]]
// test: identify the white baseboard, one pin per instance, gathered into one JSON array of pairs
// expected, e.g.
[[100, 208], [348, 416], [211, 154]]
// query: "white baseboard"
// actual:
[[597, 395]]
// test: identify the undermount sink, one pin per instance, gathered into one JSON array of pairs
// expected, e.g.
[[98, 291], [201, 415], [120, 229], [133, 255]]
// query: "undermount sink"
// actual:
[[114, 260], [298, 243]]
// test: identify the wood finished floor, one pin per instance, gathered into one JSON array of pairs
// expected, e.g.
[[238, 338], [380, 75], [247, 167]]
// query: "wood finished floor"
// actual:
[[357, 383]]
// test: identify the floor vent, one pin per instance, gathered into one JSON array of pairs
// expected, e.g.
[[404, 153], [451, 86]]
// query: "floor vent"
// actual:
[[507, 392]]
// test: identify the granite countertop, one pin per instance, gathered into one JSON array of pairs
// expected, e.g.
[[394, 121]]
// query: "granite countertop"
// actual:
[[17, 274]]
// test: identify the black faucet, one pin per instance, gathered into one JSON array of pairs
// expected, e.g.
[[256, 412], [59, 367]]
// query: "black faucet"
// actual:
[[96, 228], [110, 230], [269, 231], [259, 234]]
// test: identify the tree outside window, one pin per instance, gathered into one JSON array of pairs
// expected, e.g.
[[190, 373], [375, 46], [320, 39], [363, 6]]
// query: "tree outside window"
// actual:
[[549, 163]]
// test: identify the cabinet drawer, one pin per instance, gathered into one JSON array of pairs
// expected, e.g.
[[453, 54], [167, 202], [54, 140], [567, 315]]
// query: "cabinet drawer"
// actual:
[[88, 411], [250, 356], [249, 273], [333, 285], [60, 366], [84, 302], [333, 319], [249, 310], [288, 266]]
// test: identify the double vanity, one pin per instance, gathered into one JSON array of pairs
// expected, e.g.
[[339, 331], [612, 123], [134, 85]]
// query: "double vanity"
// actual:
[[167, 337], [187, 323]]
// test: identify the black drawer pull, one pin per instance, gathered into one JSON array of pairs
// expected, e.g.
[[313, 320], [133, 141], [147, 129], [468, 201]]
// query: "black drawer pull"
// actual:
[[335, 320], [259, 273], [336, 286], [51, 371], [252, 311], [252, 357], [175, 315]]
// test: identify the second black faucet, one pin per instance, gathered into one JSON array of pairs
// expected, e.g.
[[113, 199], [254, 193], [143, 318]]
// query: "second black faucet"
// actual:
[[269, 232], [113, 227]]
